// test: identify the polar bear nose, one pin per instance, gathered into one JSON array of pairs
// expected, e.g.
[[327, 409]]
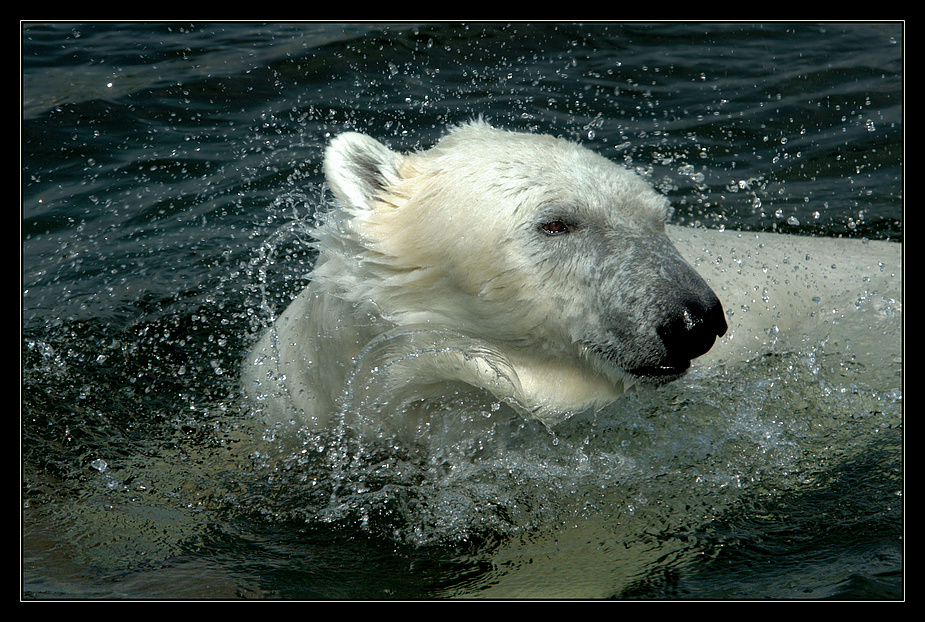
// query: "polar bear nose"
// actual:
[[692, 326]]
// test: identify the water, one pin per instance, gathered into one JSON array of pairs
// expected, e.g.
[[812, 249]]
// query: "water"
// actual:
[[170, 176]]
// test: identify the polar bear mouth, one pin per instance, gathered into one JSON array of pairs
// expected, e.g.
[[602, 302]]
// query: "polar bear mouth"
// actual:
[[659, 373], [653, 374]]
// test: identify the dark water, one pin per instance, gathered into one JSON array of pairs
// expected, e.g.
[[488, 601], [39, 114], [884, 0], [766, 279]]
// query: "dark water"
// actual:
[[169, 177]]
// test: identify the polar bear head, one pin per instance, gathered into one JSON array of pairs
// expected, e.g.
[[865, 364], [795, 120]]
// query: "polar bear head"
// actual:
[[532, 243]]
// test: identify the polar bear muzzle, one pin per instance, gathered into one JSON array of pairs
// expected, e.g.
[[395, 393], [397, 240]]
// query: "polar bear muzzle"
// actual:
[[664, 316], [687, 331]]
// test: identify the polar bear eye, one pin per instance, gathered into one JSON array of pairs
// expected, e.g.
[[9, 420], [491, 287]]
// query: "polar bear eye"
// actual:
[[555, 227]]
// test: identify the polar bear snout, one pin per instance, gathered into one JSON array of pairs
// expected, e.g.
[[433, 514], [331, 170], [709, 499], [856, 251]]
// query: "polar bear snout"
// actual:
[[691, 327], [657, 313], [687, 327], [659, 316], [688, 320]]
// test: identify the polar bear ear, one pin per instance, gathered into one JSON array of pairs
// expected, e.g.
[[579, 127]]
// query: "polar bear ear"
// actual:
[[359, 169]]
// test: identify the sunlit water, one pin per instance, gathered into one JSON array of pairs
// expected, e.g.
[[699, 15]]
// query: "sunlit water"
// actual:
[[170, 180]]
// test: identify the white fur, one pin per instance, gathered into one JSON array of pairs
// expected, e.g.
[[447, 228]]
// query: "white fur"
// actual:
[[434, 278]]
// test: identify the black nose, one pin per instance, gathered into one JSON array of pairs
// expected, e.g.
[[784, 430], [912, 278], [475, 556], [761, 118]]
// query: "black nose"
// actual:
[[692, 325]]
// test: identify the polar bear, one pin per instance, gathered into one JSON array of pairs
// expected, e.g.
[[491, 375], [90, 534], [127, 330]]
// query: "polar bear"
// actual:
[[526, 269]]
